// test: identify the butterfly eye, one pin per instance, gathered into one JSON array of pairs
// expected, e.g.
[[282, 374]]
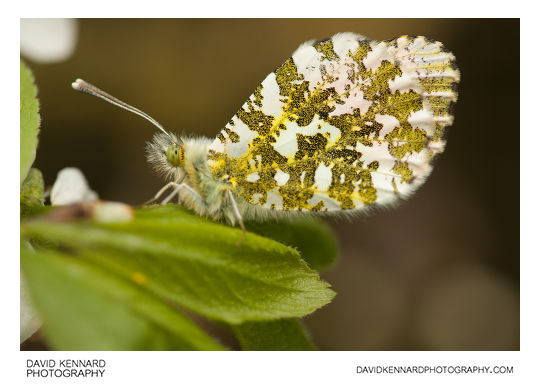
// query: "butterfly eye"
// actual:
[[175, 155]]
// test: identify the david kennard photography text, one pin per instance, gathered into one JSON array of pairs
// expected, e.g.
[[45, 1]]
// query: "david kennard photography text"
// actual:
[[65, 368]]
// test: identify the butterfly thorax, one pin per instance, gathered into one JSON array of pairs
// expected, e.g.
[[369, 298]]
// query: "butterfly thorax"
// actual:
[[185, 161]]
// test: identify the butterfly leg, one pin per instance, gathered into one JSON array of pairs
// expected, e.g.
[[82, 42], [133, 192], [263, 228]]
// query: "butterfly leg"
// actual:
[[237, 215], [160, 192], [177, 188], [193, 194]]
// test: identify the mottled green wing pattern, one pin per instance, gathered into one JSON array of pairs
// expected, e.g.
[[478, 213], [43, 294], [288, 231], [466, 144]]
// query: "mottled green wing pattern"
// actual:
[[342, 124]]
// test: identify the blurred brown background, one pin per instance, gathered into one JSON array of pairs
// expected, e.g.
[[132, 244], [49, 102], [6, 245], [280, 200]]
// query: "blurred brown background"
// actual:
[[449, 279]]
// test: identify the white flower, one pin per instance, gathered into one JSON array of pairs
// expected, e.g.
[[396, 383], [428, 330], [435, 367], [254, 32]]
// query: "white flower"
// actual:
[[48, 40], [71, 187]]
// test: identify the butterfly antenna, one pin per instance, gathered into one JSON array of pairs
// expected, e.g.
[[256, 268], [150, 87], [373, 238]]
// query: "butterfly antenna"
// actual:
[[82, 86]]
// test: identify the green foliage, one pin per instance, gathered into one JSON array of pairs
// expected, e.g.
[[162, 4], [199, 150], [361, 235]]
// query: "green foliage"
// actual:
[[316, 243], [87, 308], [277, 335], [168, 258], [32, 192], [29, 121], [313, 238]]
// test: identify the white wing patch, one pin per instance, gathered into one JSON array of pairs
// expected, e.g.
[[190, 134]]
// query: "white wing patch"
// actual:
[[342, 124]]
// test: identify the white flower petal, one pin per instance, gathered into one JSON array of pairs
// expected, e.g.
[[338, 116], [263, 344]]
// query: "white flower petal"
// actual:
[[48, 40], [71, 187]]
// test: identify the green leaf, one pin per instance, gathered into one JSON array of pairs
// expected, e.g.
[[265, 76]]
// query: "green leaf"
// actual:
[[277, 335], [197, 264], [86, 308], [29, 121], [32, 192], [315, 241], [313, 238]]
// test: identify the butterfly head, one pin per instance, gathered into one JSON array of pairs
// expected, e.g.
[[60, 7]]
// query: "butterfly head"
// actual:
[[165, 153], [175, 155]]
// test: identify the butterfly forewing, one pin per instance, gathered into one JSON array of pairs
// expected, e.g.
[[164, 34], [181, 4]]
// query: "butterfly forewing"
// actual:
[[342, 124]]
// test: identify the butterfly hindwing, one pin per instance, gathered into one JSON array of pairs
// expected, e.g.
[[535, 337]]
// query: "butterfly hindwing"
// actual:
[[342, 124]]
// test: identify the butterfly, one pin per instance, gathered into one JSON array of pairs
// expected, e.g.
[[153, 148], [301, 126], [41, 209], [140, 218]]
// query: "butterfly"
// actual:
[[343, 125]]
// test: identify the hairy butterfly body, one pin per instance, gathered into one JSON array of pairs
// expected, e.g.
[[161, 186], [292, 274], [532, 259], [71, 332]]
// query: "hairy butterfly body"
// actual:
[[343, 125]]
